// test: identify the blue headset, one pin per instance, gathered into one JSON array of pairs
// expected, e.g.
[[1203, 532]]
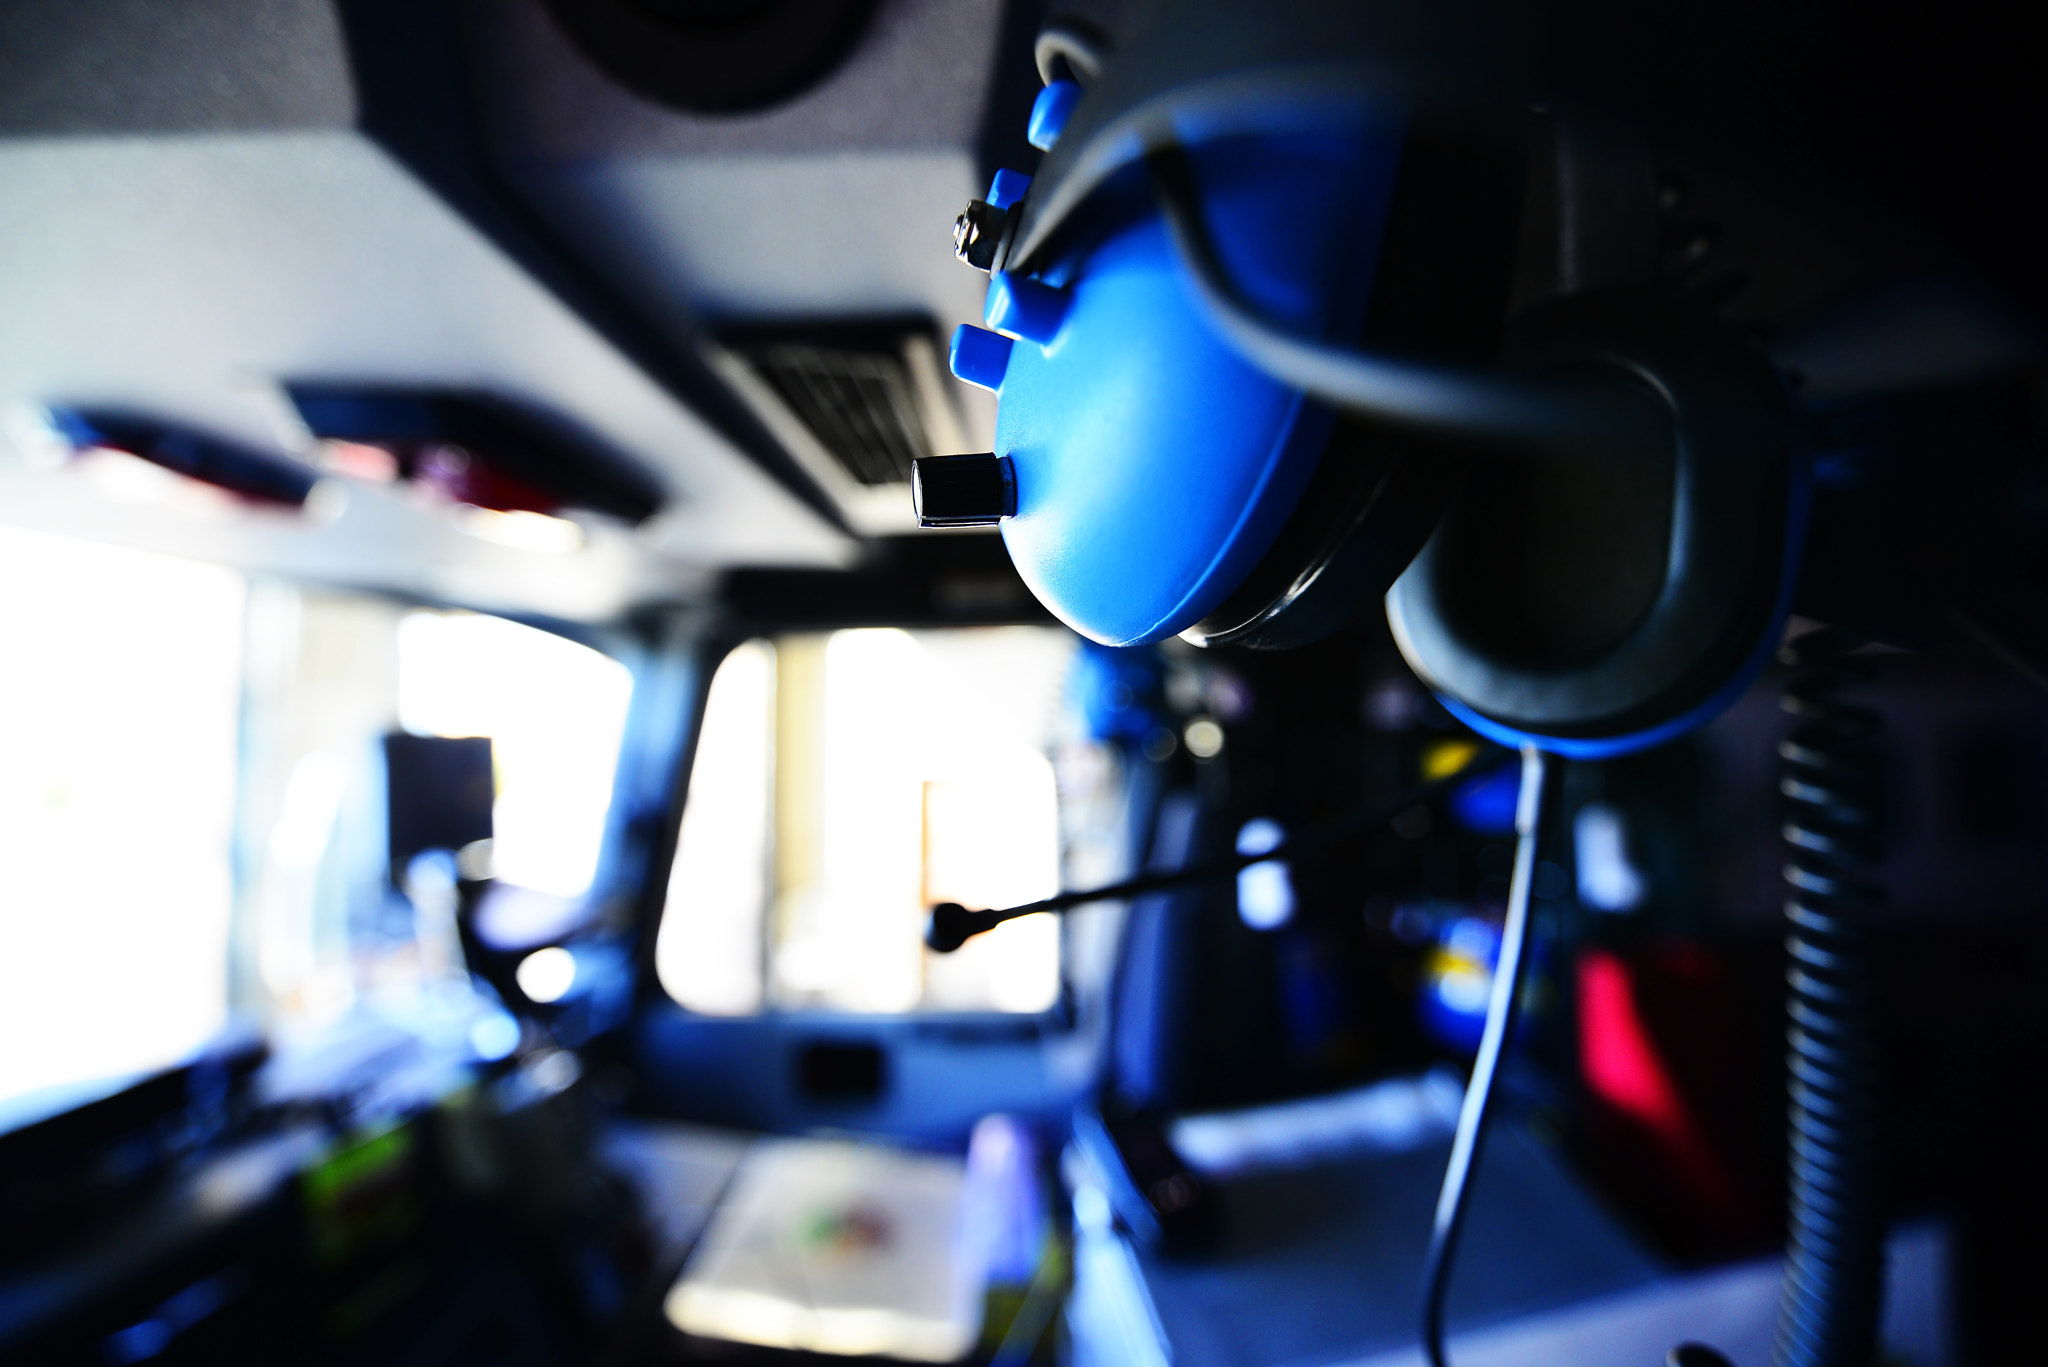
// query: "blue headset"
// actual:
[[1249, 329]]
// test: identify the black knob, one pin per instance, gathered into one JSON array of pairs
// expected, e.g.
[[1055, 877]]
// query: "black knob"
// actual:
[[1696, 1355], [962, 491], [978, 232]]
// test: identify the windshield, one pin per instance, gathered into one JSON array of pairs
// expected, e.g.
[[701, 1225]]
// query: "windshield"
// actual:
[[844, 782]]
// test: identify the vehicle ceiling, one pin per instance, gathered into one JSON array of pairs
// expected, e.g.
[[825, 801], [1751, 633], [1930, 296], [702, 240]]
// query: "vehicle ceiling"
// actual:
[[203, 203]]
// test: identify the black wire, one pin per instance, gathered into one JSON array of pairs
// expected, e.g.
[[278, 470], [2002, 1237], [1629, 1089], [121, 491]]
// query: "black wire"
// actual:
[[1541, 778], [951, 925], [1442, 400], [1077, 43]]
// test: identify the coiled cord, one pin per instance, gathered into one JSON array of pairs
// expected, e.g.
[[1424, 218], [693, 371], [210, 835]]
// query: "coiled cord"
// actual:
[[1834, 1255]]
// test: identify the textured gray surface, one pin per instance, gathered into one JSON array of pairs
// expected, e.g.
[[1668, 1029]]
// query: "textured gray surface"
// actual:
[[1320, 1263], [151, 66], [916, 78], [837, 203], [798, 236], [679, 1170], [1734, 1308]]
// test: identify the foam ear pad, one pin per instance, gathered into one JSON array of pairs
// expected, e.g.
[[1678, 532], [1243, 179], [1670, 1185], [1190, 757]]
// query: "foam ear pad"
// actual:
[[1368, 509], [1602, 597]]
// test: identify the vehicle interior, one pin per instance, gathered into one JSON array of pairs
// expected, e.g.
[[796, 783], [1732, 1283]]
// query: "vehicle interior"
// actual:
[[1388, 708]]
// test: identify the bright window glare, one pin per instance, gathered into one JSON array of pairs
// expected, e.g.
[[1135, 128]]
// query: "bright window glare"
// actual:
[[938, 732], [843, 784], [555, 712], [192, 805], [709, 953], [118, 717]]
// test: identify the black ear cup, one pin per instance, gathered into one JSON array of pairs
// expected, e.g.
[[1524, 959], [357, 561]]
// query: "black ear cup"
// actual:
[[1589, 595]]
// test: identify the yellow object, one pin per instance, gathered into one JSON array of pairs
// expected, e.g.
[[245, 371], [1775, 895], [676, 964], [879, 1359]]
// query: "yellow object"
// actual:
[[1446, 757]]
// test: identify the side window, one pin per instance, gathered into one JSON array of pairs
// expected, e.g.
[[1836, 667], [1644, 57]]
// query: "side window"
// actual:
[[555, 712], [193, 817], [120, 679], [845, 781]]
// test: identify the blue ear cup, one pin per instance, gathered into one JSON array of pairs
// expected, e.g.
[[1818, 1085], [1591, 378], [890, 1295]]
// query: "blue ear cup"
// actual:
[[1165, 484], [1155, 468]]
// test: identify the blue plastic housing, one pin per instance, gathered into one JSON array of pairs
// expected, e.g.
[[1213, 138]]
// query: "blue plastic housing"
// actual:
[[1154, 466], [1049, 114], [979, 357], [1006, 188]]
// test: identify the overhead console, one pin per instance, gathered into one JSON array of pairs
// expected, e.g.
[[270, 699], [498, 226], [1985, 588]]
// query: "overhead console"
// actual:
[[299, 196], [780, 223]]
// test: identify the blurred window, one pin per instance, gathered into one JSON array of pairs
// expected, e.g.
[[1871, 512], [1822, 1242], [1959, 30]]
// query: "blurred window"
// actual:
[[120, 675], [843, 783], [192, 805], [555, 712]]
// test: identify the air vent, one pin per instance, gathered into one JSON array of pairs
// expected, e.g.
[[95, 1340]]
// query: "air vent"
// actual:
[[860, 405], [853, 403]]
